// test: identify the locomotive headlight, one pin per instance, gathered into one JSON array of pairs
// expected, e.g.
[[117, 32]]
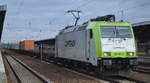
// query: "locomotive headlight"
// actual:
[[106, 54], [131, 54]]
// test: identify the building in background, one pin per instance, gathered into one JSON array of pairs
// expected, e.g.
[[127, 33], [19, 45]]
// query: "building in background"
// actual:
[[142, 34]]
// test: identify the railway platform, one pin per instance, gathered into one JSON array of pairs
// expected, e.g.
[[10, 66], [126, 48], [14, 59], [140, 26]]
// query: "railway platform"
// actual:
[[3, 78]]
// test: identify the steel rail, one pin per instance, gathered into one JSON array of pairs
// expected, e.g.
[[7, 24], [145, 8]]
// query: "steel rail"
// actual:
[[142, 70], [17, 77], [120, 77], [44, 80]]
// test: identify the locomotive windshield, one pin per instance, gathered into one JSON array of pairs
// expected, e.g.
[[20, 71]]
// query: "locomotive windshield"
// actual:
[[116, 32]]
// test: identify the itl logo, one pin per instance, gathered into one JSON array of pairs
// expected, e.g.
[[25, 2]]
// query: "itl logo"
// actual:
[[70, 43]]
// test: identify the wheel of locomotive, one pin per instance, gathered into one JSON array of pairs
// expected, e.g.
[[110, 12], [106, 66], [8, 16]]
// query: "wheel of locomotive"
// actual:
[[75, 64], [97, 70], [133, 68], [88, 68], [70, 64], [66, 63]]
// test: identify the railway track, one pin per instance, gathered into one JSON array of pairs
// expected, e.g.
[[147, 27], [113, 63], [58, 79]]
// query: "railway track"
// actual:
[[22, 72], [110, 79], [124, 79], [142, 70], [113, 78]]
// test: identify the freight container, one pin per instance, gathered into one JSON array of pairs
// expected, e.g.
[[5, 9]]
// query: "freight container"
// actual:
[[27, 45]]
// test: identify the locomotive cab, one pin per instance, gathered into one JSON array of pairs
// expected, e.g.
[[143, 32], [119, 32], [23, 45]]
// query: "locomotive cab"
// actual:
[[114, 45]]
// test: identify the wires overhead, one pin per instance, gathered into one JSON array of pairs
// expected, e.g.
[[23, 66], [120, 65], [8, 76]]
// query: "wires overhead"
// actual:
[[131, 8], [85, 5], [136, 6], [19, 7], [121, 11]]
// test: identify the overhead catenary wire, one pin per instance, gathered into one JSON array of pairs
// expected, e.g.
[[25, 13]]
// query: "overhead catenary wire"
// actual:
[[80, 6], [139, 6], [84, 6], [19, 7], [122, 11]]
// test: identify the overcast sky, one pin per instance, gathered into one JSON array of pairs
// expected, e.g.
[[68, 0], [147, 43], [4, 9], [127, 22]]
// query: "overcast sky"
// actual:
[[42, 19]]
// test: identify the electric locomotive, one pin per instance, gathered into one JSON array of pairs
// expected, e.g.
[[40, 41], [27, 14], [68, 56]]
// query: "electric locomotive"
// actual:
[[98, 45]]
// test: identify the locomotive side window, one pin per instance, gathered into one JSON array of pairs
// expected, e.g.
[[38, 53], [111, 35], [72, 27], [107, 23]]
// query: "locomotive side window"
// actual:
[[91, 33]]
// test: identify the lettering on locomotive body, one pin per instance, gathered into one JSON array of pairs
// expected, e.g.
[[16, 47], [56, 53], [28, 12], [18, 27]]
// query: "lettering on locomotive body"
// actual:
[[70, 43]]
